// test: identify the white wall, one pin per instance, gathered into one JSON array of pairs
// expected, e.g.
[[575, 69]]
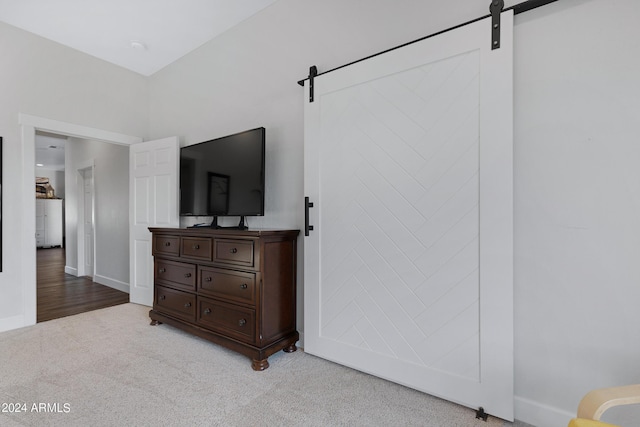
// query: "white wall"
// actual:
[[577, 184], [577, 212], [44, 79], [111, 195]]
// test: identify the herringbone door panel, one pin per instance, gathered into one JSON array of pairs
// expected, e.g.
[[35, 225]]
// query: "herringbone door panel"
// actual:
[[400, 249]]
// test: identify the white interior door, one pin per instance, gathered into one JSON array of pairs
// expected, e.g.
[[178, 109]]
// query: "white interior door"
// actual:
[[409, 268], [153, 189], [88, 220], [86, 225]]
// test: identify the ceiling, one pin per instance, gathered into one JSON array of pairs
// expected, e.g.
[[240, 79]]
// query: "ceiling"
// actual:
[[141, 35], [49, 151]]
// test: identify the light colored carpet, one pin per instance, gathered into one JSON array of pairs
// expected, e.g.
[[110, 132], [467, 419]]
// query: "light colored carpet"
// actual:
[[110, 368]]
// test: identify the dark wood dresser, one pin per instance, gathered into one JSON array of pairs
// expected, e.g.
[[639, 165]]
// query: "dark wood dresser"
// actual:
[[234, 288]]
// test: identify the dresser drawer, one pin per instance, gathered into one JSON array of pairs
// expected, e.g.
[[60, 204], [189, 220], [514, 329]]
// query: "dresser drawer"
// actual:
[[166, 245], [175, 274], [195, 247], [228, 284], [175, 303], [237, 252], [231, 320]]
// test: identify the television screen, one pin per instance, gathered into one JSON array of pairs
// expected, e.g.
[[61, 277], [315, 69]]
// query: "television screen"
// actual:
[[224, 176]]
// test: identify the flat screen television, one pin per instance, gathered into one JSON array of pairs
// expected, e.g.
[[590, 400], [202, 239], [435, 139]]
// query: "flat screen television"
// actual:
[[224, 177]]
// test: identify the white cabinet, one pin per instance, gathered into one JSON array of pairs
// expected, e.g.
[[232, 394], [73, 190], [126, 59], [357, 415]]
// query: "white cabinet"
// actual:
[[49, 220]]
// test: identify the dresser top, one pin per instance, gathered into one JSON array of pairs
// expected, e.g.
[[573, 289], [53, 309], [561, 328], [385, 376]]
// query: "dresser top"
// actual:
[[207, 231]]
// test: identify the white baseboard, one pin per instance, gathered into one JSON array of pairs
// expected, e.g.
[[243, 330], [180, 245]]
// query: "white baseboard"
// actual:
[[112, 283], [71, 270], [11, 323], [539, 414]]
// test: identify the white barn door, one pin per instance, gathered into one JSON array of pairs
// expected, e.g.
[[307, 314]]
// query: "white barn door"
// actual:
[[409, 268], [153, 201]]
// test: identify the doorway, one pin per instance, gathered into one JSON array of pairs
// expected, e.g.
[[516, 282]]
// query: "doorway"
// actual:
[[67, 163], [29, 125]]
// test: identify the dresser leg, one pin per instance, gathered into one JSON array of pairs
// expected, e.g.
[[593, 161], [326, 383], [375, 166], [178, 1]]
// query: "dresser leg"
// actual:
[[259, 365], [155, 322], [290, 349]]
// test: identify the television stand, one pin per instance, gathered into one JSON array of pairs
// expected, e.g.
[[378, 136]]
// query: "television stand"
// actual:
[[241, 225], [234, 288]]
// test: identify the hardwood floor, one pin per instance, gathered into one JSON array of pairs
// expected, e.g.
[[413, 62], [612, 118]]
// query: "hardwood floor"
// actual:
[[60, 294]]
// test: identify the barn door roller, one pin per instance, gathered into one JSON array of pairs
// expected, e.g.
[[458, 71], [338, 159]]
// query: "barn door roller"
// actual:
[[313, 72], [495, 8]]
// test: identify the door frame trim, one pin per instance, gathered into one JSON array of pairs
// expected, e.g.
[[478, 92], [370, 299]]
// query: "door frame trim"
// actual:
[[80, 183], [28, 126]]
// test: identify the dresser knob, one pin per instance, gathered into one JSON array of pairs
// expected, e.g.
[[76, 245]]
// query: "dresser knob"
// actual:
[[196, 246], [187, 275], [233, 251], [187, 305], [243, 286], [207, 311], [162, 270], [208, 279], [167, 243], [242, 322], [163, 297]]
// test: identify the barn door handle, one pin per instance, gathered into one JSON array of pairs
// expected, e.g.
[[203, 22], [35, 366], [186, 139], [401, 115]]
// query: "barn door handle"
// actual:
[[307, 205]]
